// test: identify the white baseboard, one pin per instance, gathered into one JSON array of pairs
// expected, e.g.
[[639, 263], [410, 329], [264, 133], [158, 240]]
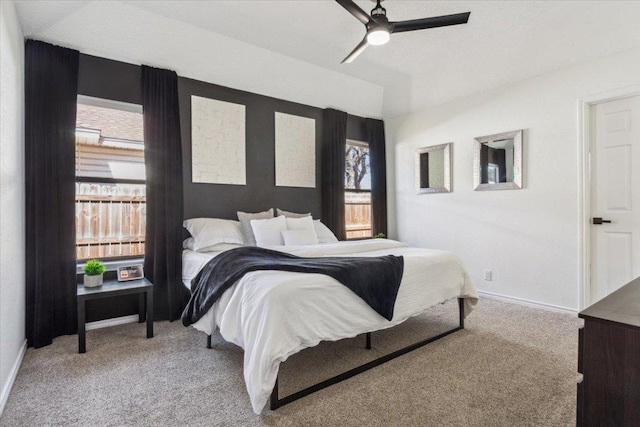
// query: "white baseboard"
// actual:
[[133, 318], [529, 303], [4, 396]]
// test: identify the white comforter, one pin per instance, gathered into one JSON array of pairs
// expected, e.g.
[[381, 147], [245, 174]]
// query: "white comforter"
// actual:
[[274, 314]]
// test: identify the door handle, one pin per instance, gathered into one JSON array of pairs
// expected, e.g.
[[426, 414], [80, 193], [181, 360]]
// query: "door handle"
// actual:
[[598, 221]]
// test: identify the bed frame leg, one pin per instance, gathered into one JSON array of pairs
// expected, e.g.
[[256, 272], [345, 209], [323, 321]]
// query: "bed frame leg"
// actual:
[[273, 402], [461, 308], [368, 346], [208, 341]]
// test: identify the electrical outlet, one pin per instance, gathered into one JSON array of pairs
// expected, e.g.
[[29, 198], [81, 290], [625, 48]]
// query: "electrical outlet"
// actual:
[[488, 275]]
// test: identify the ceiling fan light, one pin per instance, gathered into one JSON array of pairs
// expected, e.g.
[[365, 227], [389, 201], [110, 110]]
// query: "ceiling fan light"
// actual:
[[378, 36]]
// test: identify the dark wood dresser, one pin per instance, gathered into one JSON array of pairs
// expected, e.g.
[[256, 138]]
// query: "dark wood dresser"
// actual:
[[609, 359]]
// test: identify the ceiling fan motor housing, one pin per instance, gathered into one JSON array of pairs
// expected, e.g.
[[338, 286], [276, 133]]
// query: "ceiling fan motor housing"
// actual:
[[378, 11]]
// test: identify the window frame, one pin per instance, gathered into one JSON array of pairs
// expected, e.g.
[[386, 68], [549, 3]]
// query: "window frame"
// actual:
[[362, 144], [111, 263]]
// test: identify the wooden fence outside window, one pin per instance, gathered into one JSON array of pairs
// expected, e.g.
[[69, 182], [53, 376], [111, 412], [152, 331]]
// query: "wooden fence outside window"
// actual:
[[110, 220], [357, 214]]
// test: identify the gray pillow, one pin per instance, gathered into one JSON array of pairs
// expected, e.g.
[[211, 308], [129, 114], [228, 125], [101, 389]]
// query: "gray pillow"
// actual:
[[292, 214], [245, 224]]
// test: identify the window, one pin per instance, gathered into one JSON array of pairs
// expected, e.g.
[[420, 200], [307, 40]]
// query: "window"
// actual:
[[110, 180], [357, 194]]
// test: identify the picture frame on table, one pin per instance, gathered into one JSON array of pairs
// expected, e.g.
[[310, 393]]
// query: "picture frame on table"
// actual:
[[130, 272]]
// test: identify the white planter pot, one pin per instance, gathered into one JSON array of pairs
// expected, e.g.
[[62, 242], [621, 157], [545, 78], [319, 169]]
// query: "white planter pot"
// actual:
[[92, 281]]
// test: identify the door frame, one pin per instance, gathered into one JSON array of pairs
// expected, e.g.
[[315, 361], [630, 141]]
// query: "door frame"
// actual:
[[584, 185]]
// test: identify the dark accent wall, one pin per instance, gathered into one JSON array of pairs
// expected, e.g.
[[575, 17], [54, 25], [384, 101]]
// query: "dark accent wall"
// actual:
[[104, 78], [356, 128], [260, 192], [119, 81]]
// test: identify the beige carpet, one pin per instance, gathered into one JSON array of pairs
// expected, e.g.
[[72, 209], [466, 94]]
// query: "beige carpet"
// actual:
[[511, 366]]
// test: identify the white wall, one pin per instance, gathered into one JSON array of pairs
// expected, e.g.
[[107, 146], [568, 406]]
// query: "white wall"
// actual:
[[12, 265], [529, 237]]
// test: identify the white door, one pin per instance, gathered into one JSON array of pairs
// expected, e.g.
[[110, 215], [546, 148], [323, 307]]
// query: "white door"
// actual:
[[615, 195]]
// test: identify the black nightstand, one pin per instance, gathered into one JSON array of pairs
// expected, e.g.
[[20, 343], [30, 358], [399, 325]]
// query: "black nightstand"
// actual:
[[113, 288]]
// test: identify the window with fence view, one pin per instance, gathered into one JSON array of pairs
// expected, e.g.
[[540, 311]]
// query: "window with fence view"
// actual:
[[110, 180], [357, 192]]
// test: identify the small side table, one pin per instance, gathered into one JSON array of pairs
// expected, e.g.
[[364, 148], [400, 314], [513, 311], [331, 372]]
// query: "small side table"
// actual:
[[113, 288]]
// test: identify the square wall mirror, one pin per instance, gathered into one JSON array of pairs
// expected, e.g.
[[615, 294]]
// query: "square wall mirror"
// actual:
[[433, 169], [497, 161]]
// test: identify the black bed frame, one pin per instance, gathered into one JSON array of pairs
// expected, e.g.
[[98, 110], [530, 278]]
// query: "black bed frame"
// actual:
[[277, 402]]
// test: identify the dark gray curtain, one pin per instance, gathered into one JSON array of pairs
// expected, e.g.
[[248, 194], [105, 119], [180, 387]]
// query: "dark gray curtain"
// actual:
[[334, 141], [163, 162], [51, 87], [377, 158]]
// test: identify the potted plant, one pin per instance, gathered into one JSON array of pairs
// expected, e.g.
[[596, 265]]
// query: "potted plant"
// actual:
[[93, 270]]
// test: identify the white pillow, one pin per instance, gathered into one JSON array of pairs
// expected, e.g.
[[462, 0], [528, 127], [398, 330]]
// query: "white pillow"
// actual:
[[299, 237], [207, 232], [268, 232], [300, 223], [291, 214], [303, 224], [324, 234]]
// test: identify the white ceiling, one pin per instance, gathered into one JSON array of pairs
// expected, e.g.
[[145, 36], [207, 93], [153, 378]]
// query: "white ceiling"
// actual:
[[504, 41]]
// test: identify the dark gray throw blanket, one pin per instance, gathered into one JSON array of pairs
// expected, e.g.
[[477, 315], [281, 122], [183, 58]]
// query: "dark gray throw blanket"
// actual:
[[374, 279]]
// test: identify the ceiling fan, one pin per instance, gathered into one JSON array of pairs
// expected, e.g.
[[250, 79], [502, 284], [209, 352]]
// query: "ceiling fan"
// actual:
[[379, 28]]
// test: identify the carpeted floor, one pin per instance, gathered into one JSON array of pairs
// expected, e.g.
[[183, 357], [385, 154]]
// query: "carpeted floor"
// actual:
[[511, 366]]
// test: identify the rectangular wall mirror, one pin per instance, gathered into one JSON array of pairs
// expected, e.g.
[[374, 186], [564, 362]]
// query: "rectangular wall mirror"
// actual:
[[433, 169], [497, 161]]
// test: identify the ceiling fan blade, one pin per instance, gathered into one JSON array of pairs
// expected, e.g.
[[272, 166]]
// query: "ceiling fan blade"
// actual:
[[357, 51], [355, 10], [424, 23]]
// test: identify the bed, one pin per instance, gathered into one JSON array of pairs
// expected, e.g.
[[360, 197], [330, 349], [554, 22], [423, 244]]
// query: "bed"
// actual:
[[275, 314]]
